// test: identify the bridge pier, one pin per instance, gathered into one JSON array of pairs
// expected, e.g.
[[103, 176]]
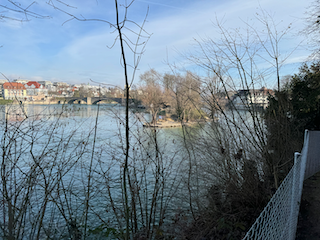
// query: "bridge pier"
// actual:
[[89, 101]]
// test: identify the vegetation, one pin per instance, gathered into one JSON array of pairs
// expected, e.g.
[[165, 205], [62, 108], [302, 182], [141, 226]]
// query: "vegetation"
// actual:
[[305, 97], [178, 95], [57, 183], [5, 101], [291, 111], [152, 96]]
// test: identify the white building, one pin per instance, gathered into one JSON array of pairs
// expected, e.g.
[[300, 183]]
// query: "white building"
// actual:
[[36, 91], [243, 99], [23, 81]]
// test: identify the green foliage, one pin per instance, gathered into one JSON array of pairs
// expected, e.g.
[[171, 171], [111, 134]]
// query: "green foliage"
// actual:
[[196, 114], [60, 98], [104, 231], [162, 112], [290, 112], [5, 101], [305, 97], [299, 104], [76, 93], [282, 136]]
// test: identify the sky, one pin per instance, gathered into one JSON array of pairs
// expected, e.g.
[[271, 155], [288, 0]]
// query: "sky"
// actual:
[[52, 47]]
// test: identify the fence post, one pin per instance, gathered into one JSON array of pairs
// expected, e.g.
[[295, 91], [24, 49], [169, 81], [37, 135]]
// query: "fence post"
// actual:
[[294, 191]]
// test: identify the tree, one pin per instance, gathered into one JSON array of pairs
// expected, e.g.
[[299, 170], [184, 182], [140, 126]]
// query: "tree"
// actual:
[[22, 12], [76, 93], [270, 37], [282, 139], [233, 152], [183, 95], [292, 110], [136, 47], [152, 95], [84, 92], [305, 97], [312, 28]]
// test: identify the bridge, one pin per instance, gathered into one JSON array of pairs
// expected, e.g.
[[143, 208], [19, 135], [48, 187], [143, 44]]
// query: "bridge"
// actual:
[[93, 100]]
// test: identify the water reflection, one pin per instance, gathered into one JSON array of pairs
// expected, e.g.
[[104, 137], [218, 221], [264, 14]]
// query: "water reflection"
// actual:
[[16, 112], [13, 113]]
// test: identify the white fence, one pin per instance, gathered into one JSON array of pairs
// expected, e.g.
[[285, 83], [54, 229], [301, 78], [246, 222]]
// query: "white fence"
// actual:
[[279, 218]]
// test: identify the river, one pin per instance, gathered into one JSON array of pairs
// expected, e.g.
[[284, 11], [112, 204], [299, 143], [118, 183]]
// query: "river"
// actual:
[[62, 167], [62, 170]]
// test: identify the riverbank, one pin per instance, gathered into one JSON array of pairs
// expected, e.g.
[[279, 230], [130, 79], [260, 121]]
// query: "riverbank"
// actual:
[[5, 101], [48, 102], [40, 102], [171, 124]]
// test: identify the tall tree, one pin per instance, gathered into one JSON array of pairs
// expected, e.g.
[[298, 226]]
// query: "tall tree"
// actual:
[[312, 28], [152, 94], [183, 94], [292, 110], [305, 97], [133, 47]]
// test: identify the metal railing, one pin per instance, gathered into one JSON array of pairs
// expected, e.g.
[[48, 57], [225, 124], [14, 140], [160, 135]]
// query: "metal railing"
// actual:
[[279, 218]]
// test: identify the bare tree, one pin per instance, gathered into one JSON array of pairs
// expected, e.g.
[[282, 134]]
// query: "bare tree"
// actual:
[[312, 28], [234, 61], [152, 94], [270, 38], [16, 11], [36, 156], [136, 47], [233, 150], [183, 93]]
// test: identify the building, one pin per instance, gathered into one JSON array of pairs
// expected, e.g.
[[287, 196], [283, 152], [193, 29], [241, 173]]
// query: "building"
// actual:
[[2, 81], [47, 84], [14, 90], [243, 99], [23, 81], [36, 91], [60, 84]]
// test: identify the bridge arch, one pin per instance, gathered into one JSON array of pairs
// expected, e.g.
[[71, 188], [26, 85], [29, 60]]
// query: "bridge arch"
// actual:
[[94, 100], [77, 101], [106, 100]]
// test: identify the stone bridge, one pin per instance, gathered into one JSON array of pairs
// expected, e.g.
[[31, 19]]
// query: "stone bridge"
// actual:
[[93, 100]]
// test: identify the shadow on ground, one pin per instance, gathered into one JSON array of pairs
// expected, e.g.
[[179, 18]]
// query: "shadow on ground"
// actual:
[[309, 216]]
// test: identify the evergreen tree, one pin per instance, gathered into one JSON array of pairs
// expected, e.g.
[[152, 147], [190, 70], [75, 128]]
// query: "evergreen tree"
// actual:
[[305, 97], [291, 111]]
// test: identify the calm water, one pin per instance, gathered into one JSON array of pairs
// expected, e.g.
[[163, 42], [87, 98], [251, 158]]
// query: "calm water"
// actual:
[[72, 159], [65, 165]]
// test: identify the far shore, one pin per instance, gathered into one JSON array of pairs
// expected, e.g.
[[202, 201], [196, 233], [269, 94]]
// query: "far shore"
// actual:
[[36, 102], [171, 124]]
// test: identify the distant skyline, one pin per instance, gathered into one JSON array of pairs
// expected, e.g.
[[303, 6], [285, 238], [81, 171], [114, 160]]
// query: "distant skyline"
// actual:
[[55, 49]]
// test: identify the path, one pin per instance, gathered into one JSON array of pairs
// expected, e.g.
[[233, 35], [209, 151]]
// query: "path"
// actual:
[[309, 216]]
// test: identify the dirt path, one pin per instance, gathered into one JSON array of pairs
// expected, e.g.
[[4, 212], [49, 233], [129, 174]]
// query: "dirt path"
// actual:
[[309, 216]]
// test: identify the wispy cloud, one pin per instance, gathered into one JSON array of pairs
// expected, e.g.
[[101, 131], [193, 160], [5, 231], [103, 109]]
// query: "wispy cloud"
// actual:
[[77, 51]]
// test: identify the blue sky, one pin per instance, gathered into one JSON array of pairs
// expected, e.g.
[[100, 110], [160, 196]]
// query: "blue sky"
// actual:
[[75, 52]]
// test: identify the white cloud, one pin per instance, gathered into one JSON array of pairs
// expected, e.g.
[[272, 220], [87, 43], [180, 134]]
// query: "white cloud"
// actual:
[[78, 50]]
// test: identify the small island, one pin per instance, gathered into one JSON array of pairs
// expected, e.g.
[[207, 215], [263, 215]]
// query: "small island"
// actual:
[[171, 100], [167, 124]]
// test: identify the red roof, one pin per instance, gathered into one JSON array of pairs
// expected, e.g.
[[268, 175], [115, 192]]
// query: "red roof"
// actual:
[[36, 84], [13, 85]]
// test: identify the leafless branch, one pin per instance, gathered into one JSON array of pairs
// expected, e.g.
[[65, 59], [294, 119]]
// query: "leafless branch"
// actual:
[[23, 12]]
